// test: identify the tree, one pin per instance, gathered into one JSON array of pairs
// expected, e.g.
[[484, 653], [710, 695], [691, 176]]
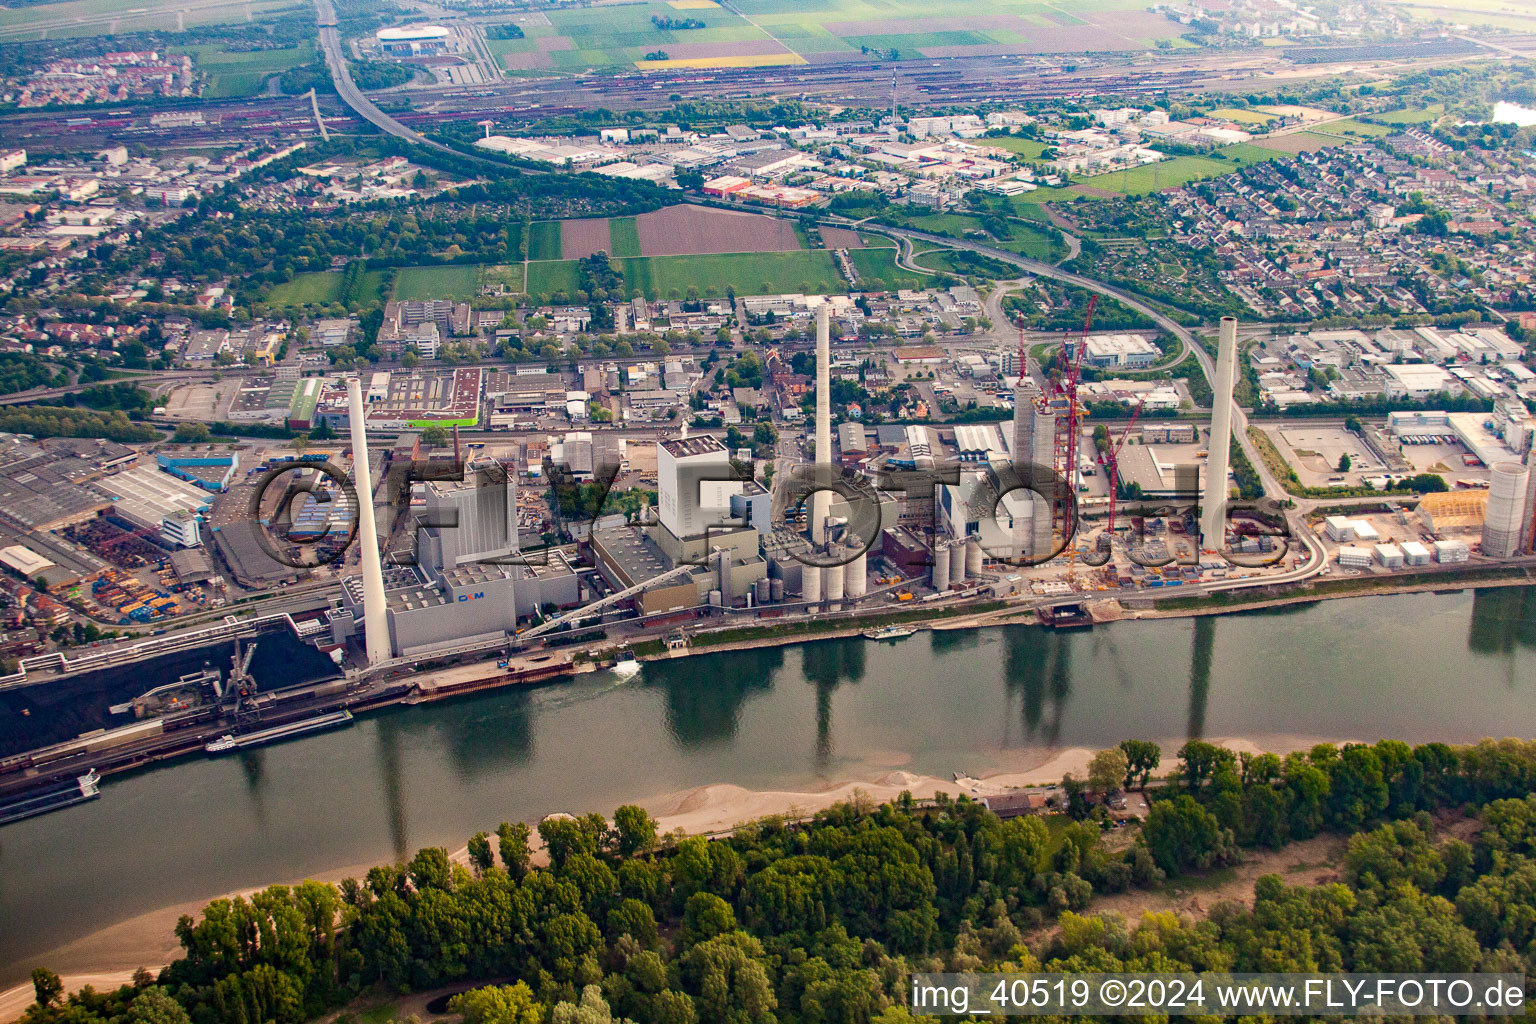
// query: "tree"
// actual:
[[1107, 769], [498, 1004], [512, 844], [480, 852], [1142, 758], [704, 917], [191, 433], [1344, 463], [155, 1006], [434, 436], [636, 828], [47, 987], [1183, 836]]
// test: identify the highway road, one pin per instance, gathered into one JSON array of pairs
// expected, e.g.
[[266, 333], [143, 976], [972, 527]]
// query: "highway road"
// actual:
[[341, 75]]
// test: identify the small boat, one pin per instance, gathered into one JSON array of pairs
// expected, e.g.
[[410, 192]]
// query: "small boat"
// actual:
[[889, 632]]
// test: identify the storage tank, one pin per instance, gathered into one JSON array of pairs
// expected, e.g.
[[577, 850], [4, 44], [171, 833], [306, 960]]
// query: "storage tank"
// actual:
[[714, 599], [834, 576], [856, 583], [776, 590], [1506, 509], [941, 565], [762, 590], [810, 584], [957, 563], [973, 557]]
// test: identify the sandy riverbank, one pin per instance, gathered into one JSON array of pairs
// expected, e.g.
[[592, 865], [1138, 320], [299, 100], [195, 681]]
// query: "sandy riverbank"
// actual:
[[108, 957]]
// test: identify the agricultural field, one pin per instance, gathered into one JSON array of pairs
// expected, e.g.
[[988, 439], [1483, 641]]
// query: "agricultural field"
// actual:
[[777, 32], [624, 232], [841, 238], [1513, 15], [671, 231], [544, 240], [1296, 142], [244, 74], [111, 17], [458, 283], [671, 277], [580, 238]]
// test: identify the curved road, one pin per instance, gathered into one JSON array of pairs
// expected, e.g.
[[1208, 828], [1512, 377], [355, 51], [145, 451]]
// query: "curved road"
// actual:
[[351, 95]]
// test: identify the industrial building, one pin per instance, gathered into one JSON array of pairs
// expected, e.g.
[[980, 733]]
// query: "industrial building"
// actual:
[[465, 585]]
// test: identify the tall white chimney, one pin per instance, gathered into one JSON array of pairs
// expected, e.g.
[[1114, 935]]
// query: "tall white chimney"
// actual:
[[821, 501], [1213, 516], [375, 625]]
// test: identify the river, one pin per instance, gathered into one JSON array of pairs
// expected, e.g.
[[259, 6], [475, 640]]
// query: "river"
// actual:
[[1451, 667]]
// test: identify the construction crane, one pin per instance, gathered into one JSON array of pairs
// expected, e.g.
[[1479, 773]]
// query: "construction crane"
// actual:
[[242, 686], [1064, 403], [1112, 465]]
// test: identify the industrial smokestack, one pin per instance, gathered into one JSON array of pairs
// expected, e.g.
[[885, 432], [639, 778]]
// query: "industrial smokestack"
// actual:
[[821, 501], [1213, 516], [375, 626]]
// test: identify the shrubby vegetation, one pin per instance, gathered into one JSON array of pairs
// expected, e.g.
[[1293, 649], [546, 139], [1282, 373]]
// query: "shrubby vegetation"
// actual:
[[824, 920]]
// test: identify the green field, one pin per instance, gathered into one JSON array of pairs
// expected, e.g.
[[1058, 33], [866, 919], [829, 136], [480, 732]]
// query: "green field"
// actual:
[[1242, 116], [544, 240], [324, 288], [1027, 241], [316, 289], [1181, 170], [878, 271], [110, 17], [458, 283], [670, 277], [550, 277], [244, 74], [1358, 129], [509, 276], [624, 236], [1406, 115]]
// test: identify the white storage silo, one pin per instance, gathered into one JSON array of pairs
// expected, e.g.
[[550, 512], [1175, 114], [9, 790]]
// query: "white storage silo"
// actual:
[[957, 563], [941, 564], [973, 557], [857, 583], [1506, 509], [834, 576], [810, 584]]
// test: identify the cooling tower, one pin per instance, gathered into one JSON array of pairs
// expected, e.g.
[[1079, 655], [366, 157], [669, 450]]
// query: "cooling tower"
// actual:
[[1506, 510]]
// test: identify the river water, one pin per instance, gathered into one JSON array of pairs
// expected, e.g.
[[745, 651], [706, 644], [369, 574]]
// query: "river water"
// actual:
[[1451, 667]]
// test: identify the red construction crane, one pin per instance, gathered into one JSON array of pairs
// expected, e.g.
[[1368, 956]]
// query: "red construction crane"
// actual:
[[1112, 465], [1067, 409]]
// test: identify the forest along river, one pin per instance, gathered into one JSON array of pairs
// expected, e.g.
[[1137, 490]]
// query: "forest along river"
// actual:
[[1452, 667]]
